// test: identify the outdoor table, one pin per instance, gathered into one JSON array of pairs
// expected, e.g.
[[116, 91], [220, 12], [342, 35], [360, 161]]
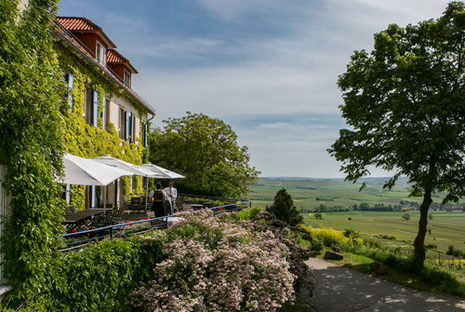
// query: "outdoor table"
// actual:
[[83, 219], [196, 206]]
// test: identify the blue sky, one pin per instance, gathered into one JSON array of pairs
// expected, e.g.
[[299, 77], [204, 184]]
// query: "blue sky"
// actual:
[[266, 67]]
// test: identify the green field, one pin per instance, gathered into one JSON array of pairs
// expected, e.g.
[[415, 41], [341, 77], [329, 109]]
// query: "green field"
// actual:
[[311, 193], [447, 228]]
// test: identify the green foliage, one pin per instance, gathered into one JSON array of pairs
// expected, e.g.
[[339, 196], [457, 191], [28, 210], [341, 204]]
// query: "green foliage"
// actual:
[[405, 105], [452, 251], [248, 214], [97, 278], [406, 216], [283, 208], [205, 150], [85, 140], [31, 147], [349, 233]]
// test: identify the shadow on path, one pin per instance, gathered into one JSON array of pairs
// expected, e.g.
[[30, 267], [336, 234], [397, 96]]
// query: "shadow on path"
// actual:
[[339, 289]]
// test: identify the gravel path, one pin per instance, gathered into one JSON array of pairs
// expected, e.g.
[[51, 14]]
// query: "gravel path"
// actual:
[[339, 289]]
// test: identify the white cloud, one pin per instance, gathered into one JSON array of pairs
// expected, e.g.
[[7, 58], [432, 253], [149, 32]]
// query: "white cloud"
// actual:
[[289, 66]]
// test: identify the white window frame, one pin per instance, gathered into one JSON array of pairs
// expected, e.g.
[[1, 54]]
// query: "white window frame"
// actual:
[[100, 54], [127, 82]]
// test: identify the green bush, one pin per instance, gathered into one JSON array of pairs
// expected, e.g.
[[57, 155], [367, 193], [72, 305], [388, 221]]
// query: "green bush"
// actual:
[[349, 233], [97, 278], [248, 214], [451, 251], [442, 279]]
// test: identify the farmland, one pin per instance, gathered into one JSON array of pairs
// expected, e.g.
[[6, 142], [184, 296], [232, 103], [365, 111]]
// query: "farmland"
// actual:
[[309, 194], [447, 228]]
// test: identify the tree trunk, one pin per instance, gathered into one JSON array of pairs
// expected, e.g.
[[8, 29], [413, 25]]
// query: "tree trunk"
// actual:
[[419, 243]]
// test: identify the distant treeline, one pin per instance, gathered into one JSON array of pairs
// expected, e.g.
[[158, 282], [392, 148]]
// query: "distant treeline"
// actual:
[[404, 204], [361, 207]]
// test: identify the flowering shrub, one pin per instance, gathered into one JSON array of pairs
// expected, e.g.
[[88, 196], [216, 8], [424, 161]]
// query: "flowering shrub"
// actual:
[[331, 237], [214, 264], [266, 221]]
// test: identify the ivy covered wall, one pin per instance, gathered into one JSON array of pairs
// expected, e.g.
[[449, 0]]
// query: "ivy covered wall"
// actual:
[[85, 140], [31, 144]]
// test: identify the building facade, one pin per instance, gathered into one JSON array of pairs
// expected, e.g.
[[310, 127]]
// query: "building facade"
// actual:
[[105, 115]]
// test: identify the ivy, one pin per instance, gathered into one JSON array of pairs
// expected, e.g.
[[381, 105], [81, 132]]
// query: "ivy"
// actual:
[[37, 126], [31, 147], [84, 140]]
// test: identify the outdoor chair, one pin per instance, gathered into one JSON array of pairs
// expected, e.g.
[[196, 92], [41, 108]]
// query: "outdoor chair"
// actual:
[[70, 209]]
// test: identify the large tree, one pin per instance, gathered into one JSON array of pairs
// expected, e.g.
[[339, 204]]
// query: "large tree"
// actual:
[[405, 106], [206, 151]]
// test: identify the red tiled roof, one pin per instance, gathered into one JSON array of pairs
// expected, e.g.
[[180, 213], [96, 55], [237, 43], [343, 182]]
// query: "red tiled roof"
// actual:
[[83, 25], [77, 23], [71, 40], [114, 57]]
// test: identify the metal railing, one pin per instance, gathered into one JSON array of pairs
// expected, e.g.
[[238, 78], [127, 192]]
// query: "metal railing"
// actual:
[[117, 230]]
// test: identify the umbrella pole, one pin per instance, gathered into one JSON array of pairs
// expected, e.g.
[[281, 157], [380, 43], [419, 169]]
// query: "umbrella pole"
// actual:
[[104, 200], [146, 191]]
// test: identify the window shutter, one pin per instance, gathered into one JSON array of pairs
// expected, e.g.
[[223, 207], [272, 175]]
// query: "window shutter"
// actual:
[[126, 129], [130, 128], [104, 113], [94, 114], [133, 126]]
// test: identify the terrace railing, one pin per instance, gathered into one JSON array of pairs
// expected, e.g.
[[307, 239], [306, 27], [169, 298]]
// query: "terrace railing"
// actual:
[[80, 239]]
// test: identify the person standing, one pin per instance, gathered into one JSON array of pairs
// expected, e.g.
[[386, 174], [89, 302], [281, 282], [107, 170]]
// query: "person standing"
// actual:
[[159, 197], [171, 193]]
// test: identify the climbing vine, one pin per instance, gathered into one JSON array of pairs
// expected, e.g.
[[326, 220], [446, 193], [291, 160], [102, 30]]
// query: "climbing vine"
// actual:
[[31, 88], [85, 140], [37, 126]]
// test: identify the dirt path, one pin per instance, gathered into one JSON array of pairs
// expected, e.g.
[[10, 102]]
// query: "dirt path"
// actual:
[[339, 289]]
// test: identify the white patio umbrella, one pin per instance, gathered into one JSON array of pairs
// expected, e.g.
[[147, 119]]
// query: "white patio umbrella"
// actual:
[[167, 174], [136, 170], [84, 171], [121, 164]]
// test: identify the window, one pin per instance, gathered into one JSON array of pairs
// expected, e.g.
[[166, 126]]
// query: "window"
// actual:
[[122, 121], [127, 78], [101, 53]]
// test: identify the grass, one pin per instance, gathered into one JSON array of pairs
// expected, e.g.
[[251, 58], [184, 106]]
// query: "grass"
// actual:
[[446, 228]]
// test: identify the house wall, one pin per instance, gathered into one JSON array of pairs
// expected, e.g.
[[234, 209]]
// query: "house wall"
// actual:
[[22, 4], [90, 40], [116, 103], [118, 69]]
